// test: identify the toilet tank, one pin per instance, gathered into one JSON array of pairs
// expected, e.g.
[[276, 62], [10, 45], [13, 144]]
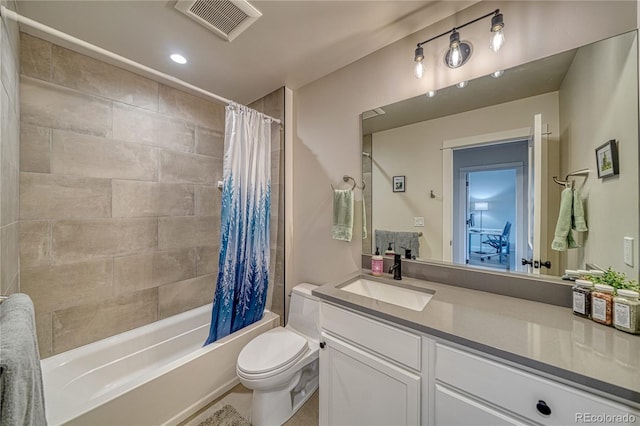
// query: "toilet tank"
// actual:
[[304, 311]]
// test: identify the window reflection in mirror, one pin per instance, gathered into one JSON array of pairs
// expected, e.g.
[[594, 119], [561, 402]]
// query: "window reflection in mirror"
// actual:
[[585, 96]]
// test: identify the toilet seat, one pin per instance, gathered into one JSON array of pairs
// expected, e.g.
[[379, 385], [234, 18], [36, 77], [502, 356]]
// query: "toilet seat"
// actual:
[[271, 353]]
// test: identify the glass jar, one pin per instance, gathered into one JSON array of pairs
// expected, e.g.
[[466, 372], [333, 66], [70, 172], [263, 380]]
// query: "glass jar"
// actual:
[[582, 298], [602, 304], [626, 310]]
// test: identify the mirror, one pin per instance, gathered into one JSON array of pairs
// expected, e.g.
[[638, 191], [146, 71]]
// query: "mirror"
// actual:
[[467, 164]]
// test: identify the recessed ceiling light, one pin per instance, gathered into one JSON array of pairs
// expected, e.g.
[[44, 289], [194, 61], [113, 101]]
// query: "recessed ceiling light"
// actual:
[[462, 84], [178, 58], [431, 93], [497, 74]]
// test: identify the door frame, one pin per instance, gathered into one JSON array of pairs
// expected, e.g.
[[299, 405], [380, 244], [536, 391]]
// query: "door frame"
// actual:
[[450, 145]]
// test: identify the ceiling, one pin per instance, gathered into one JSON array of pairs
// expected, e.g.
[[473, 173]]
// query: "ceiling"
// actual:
[[294, 42]]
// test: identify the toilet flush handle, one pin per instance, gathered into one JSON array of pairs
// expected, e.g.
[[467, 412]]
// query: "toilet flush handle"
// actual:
[[322, 345]]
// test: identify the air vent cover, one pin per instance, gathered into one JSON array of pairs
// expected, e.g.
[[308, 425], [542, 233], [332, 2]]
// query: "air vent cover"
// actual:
[[226, 18]]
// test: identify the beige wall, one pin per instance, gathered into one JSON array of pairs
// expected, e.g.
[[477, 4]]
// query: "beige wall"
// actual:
[[119, 210], [327, 134], [597, 104], [415, 151], [9, 155]]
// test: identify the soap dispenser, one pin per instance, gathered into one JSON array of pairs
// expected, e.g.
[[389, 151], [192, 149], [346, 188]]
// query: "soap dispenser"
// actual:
[[377, 264], [389, 252]]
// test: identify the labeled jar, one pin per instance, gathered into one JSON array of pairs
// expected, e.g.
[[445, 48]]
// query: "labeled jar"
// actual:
[[625, 311], [582, 298], [602, 304]]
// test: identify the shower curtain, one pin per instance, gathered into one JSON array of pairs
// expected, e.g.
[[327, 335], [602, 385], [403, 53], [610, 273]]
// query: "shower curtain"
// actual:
[[243, 264]]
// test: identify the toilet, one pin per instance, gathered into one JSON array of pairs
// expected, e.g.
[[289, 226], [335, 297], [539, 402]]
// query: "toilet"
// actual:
[[281, 365]]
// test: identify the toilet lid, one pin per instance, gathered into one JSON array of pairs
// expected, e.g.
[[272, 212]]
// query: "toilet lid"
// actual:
[[273, 350]]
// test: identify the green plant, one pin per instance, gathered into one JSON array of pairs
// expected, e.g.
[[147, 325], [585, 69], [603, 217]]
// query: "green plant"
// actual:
[[615, 279]]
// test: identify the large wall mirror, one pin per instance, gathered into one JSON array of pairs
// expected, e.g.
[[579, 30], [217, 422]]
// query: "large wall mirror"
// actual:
[[467, 175]]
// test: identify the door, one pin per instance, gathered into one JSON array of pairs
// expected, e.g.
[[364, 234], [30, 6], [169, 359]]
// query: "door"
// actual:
[[358, 388]]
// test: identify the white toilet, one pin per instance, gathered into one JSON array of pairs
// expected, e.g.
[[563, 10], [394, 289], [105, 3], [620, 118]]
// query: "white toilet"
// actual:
[[281, 365]]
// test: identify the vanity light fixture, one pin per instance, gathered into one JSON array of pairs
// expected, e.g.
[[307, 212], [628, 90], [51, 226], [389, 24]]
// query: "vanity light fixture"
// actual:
[[459, 52], [431, 93], [462, 84], [179, 59], [497, 74]]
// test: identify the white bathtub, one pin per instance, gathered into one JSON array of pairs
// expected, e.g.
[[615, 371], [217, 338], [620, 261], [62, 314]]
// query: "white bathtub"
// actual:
[[153, 375]]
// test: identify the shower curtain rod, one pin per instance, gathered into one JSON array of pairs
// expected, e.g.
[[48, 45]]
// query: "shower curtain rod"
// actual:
[[39, 27]]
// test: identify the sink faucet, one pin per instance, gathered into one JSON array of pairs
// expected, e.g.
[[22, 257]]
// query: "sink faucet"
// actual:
[[397, 267]]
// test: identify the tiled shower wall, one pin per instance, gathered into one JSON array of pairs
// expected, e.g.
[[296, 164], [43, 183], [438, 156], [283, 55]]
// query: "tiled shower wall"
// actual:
[[119, 210], [9, 155]]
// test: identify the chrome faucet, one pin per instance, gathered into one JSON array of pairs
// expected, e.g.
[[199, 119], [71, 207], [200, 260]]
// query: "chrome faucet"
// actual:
[[397, 267]]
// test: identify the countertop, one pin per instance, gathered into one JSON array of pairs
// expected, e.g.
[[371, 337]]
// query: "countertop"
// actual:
[[544, 337]]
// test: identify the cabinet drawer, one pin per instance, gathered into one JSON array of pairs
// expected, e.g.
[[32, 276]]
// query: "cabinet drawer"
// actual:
[[395, 344], [518, 391]]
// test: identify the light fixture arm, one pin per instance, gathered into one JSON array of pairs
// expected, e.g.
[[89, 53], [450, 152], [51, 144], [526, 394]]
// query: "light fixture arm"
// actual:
[[494, 13]]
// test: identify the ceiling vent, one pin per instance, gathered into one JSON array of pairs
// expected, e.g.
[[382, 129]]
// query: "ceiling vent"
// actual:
[[226, 18]]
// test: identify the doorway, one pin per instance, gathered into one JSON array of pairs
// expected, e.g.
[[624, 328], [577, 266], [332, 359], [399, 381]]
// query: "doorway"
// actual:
[[490, 205]]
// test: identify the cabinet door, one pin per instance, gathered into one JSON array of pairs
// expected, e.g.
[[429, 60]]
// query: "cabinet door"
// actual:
[[454, 409], [358, 388]]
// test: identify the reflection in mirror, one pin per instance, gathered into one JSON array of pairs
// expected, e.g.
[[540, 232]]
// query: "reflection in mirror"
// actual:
[[479, 187]]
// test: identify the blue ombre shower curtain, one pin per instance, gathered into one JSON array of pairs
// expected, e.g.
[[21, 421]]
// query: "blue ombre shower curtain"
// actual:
[[243, 265]]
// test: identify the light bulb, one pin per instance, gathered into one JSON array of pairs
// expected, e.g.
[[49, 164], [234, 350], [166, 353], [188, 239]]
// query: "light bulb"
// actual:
[[462, 84], [497, 40], [431, 93], [177, 58], [455, 56], [419, 69], [497, 74]]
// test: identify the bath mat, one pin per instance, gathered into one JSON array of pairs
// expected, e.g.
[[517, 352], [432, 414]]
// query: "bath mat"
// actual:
[[226, 416]]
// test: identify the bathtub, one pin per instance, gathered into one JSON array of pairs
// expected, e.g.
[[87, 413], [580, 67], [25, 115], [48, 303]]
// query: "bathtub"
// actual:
[[153, 375]]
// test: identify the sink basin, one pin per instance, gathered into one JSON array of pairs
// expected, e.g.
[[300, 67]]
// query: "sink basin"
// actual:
[[415, 299]]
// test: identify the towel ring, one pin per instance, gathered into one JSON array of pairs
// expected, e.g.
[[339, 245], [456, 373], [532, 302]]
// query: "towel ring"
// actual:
[[347, 178]]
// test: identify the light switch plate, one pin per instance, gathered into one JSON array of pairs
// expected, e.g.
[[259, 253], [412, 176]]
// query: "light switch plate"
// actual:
[[418, 221], [628, 251]]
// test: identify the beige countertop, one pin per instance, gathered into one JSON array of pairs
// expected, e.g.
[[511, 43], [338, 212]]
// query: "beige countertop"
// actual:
[[547, 338]]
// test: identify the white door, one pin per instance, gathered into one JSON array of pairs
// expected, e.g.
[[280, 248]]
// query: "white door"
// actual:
[[454, 409], [357, 388], [537, 236]]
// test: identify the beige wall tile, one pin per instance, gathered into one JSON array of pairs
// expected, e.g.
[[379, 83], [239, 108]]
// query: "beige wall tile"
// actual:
[[35, 243], [275, 167], [9, 256], [137, 125], [174, 232], [9, 162], [74, 240], [139, 272], [189, 168], [59, 287], [77, 154], [184, 295], [133, 198], [88, 75], [208, 199], [207, 259], [35, 148], [35, 57], [44, 328], [188, 107], [84, 324], [209, 142], [44, 196], [49, 105], [9, 68]]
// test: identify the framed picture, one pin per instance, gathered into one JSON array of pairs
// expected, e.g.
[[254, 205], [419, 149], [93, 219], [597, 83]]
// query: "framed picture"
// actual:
[[398, 184], [607, 159]]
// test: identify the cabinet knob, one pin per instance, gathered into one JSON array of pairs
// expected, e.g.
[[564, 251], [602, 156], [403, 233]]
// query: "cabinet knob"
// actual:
[[543, 408], [322, 345]]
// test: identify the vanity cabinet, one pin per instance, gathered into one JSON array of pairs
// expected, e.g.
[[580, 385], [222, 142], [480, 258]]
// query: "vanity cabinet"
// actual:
[[472, 389], [369, 371]]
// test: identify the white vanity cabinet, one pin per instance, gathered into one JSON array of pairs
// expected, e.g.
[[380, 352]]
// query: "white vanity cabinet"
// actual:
[[369, 371], [472, 389]]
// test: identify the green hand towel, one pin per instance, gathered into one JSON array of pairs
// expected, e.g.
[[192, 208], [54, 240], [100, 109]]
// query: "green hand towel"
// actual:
[[579, 222], [563, 239], [342, 228]]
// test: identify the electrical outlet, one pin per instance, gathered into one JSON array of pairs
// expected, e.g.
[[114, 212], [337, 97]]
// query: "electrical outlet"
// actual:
[[418, 221], [628, 251]]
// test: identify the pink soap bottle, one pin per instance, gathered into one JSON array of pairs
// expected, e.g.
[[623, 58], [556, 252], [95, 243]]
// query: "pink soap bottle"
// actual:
[[377, 264]]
